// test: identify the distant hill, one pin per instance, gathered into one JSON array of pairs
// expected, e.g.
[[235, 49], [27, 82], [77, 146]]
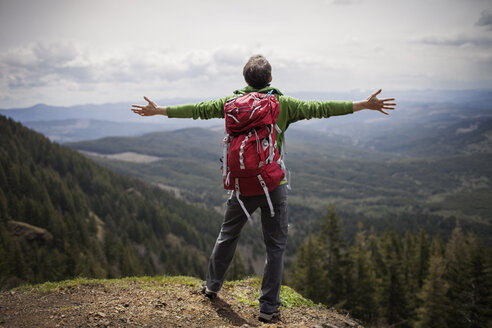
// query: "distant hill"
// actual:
[[86, 122], [458, 137], [447, 179], [63, 216], [71, 130], [115, 112]]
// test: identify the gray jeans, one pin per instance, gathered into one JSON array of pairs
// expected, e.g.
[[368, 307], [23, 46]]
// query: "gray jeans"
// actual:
[[275, 237]]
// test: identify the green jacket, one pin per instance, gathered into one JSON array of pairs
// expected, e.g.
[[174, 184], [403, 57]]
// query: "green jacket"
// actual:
[[291, 109]]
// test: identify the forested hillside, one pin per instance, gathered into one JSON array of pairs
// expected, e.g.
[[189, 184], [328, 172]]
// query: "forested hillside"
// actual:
[[395, 280], [379, 189], [62, 216]]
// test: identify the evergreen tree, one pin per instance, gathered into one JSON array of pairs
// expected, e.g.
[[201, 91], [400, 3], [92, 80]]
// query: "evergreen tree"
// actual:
[[21, 269], [422, 258], [374, 249], [416, 252], [3, 207], [362, 282], [237, 270], [437, 246], [409, 266], [334, 262], [3, 176], [458, 275], [435, 305], [393, 297], [307, 271], [5, 254], [480, 285]]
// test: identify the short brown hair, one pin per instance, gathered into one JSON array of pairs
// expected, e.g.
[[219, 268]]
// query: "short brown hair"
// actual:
[[257, 72]]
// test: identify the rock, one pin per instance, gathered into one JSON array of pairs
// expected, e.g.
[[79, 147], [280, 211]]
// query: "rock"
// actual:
[[327, 325], [28, 232]]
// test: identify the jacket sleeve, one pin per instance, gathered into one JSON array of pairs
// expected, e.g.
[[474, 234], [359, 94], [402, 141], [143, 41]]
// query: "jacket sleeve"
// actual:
[[295, 109], [204, 110]]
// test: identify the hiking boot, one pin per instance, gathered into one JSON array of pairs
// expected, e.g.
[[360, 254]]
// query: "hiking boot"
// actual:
[[269, 317], [210, 294]]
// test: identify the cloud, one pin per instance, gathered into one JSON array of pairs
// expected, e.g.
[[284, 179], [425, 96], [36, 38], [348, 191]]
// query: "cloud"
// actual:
[[43, 63], [55, 62], [65, 72], [457, 41], [485, 19]]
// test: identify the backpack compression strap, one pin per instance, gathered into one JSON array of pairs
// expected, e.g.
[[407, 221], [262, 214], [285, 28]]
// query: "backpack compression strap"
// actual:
[[267, 194], [236, 180], [225, 151]]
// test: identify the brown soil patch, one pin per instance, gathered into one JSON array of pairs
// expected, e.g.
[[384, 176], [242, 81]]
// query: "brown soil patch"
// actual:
[[137, 304]]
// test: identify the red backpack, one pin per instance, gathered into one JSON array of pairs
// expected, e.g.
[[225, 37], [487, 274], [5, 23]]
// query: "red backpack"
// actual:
[[251, 161]]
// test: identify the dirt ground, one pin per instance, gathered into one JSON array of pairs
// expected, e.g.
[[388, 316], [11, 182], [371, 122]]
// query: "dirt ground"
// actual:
[[136, 304]]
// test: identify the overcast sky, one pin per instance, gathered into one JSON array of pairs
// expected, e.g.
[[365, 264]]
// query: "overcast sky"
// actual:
[[97, 51]]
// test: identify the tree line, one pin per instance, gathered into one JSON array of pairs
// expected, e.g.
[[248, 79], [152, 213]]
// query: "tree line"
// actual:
[[395, 280]]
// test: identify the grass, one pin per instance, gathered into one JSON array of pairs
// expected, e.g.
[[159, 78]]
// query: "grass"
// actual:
[[148, 281], [247, 292], [290, 298]]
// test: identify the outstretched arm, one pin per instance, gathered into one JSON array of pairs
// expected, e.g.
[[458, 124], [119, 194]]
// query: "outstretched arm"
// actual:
[[204, 110], [150, 109], [372, 102]]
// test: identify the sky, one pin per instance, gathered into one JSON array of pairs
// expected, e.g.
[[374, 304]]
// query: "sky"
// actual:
[[68, 52]]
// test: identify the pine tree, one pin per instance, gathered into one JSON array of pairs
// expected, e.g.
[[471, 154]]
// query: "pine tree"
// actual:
[[415, 267], [422, 258], [435, 306], [6, 262], [374, 249], [362, 282], [20, 268], [335, 263], [307, 271], [459, 277], [3, 207], [3, 178], [393, 297], [409, 265], [481, 285], [237, 270], [437, 246]]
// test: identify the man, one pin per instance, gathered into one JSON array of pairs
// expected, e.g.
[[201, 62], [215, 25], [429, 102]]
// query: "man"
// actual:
[[257, 74]]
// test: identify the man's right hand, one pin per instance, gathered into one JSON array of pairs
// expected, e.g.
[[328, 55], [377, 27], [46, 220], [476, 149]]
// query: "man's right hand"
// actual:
[[374, 103], [150, 109]]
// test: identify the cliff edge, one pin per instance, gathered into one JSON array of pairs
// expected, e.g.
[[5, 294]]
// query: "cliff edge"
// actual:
[[155, 302]]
